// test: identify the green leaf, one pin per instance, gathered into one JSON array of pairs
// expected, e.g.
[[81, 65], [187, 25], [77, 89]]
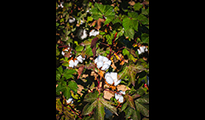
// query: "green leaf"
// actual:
[[89, 52], [136, 115], [89, 19], [99, 112], [125, 52], [73, 86], [145, 38], [60, 69], [109, 19], [124, 106], [144, 110], [79, 48], [144, 99], [90, 97], [132, 14], [66, 93], [100, 7], [129, 33], [70, 71], [67, 76], [108, 105], [127, 23], [128, 112], [88, 108], [143, 19], [109, 11], [130, 101], [137, 6], [135, 24]]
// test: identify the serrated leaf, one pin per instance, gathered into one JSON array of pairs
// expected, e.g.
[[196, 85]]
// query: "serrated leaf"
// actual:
[[132, 14], [129, 33], [127, 23], [108, 105], [109, 19], [143, 19], [73, 86], [66, 93], [109, 11], [135, 24], [137, 6], [100, 7], [88, 108], [142, 109], [90, 97], [99, 112], [67, 76]]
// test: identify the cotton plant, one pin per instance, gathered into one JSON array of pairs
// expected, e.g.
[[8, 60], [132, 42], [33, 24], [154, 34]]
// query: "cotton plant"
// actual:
[[102, 62]]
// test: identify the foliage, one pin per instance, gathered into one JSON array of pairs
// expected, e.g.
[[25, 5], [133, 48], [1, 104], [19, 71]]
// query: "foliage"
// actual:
[[123, 29]]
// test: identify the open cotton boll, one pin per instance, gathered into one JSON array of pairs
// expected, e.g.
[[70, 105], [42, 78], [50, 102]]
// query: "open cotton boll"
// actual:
[[71, 20], [112, 78], [84, 34], [94, 32], [103, 62], [142, 49], [119, 97], [61, 5], [70, 100], [73, 63], [80, 59], [67, 49]]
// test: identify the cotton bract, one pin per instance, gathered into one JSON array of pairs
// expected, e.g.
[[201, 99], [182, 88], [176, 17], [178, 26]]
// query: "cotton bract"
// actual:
[[111, 77], [103, 62], [119, 97]]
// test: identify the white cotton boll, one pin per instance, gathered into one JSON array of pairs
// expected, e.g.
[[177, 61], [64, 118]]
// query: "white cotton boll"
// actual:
[[99, 64], [113, 76], [71, 63], [122, 92], [70, 100], [76, 62], [109, 80], [119, 97], [80, 59], [139, 52], [84, 34], [93, 32], [71, 20], [61, 5], [105, 67], [117, 82]]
